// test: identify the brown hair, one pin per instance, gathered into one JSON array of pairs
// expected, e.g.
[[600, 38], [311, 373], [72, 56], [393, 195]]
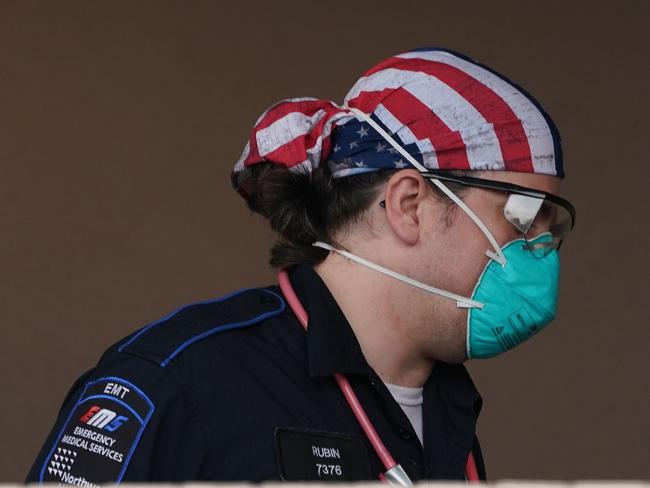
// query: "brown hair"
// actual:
[[303, 208]]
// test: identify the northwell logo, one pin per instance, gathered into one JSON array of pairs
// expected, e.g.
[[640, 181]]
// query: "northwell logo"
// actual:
[[62, 461], [103, 418]]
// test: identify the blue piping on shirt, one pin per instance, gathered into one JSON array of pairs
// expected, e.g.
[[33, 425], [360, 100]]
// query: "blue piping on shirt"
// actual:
[[220, 328]]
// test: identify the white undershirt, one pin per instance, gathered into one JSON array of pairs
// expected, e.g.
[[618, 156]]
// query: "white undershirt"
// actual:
[[410, 399]]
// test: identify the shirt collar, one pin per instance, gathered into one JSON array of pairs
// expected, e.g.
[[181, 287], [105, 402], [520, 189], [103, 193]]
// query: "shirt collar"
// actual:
[[331, 343], [332, 346]]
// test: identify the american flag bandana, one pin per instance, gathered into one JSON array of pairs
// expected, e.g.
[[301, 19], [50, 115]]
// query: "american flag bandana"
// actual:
[[444, 109]]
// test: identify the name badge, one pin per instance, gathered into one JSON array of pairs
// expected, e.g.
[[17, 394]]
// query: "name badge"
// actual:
[[313, 455]]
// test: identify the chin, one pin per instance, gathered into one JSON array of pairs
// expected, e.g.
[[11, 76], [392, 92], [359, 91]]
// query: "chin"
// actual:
[[455, 351], [455, 347], [455, 357], [452, 352]]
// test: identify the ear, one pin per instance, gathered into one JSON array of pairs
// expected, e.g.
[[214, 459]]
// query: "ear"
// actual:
[[406, 191]]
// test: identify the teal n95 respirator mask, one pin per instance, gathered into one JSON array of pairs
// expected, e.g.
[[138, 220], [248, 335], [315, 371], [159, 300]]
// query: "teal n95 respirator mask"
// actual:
[[515, 296], [509, 304], [519, 299]]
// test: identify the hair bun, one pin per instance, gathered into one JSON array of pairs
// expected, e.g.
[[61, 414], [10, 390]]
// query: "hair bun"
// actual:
[[293, 202], [303, 208]]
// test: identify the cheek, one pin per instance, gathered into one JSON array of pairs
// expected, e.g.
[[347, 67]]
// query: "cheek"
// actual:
[[473, 261], [459, 257], [466, 244], [465, 257]]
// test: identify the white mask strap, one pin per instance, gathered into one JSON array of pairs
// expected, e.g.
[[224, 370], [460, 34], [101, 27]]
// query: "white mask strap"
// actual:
[[461, 302], [497, 254]]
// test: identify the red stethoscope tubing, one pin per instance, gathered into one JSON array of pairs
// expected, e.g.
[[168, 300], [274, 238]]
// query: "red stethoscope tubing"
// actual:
[[387, 460]]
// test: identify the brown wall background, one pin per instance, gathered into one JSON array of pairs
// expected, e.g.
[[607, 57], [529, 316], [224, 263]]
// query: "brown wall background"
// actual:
[[120, 121]]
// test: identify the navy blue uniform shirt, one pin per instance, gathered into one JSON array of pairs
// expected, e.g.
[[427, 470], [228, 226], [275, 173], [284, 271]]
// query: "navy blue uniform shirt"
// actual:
[[234, 389]]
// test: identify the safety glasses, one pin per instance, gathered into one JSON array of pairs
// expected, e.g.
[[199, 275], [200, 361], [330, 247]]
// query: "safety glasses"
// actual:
[[532, 212]]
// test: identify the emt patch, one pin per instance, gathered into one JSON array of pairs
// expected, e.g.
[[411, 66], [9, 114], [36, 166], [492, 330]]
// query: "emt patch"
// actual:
[[99, 436]]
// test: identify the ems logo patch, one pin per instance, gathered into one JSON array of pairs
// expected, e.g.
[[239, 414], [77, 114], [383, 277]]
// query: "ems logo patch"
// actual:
[[99, 436]]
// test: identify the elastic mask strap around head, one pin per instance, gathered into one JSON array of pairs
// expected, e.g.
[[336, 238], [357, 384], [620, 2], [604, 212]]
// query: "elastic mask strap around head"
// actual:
[[461, 301], [497, 255]]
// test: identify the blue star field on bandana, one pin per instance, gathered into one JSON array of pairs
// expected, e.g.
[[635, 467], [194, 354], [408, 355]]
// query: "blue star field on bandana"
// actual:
[[358, 148]]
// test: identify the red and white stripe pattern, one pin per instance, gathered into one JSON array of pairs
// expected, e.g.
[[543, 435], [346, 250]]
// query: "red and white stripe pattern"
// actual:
[[454, 112], [293, 133]]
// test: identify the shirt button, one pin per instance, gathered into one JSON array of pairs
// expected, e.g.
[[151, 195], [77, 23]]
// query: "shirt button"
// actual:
[[405, 434]]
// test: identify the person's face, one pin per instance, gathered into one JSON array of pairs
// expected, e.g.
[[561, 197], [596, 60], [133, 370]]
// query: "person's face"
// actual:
[[468, 243], [454, 255]]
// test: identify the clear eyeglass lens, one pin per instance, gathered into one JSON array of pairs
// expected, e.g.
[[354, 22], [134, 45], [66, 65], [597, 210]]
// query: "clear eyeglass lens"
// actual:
[[534, 217], [543, 246]]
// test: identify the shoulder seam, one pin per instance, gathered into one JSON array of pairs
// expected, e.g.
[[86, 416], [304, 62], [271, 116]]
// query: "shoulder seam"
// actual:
[[146, 328], [232, 325]]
